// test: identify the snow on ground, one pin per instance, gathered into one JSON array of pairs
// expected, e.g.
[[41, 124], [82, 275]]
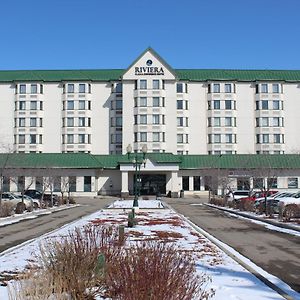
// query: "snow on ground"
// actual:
[[229, 279], [141, 204]]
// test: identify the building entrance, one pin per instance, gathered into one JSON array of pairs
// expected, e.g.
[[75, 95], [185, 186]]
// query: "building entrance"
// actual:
[[152, 184]]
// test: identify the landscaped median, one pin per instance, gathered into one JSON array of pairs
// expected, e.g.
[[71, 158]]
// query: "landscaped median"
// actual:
[[162, 257]]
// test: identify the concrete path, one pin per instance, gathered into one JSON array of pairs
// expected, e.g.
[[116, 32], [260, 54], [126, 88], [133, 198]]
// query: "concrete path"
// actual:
[[18, 233], [275, 252]]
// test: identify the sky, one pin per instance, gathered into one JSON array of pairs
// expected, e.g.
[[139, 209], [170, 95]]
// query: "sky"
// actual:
[[188, 34]]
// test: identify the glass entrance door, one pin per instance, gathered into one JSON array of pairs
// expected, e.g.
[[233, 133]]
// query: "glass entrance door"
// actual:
[[152, 184]]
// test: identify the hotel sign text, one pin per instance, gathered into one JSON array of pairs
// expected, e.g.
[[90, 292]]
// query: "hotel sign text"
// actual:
[[149, 71]]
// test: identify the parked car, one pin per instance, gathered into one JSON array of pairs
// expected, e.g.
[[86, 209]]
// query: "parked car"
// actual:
[[255, 195], [16, 199], [235, 195], [47, 197], [293, 199]]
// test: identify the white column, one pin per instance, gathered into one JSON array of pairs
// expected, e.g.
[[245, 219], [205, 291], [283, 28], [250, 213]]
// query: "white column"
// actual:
[[124, 182], [191, 183], [202, 185]]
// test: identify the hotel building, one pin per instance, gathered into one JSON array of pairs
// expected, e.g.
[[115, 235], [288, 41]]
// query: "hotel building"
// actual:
[[181, 115]]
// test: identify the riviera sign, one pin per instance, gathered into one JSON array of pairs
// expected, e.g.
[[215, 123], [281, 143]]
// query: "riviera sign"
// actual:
[[149, 71]]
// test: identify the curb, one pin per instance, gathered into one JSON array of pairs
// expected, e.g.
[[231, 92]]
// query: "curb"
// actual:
[[274, 223]]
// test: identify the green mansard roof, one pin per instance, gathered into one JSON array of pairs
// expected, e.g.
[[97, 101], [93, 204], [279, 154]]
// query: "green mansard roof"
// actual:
[[185, 162], [182, 74]]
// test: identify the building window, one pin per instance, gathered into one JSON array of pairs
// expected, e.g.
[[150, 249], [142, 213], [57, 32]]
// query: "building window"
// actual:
[[216, 87], [217, 138], [155, 101], [180, 121], [82, 88], [293, 182], [272, 183], [33, 122], [276, 122], [228, 104], [265, 138], [119, 121], [276, 138], [32, 138], [143, 119], [119, 138], [264, 104], [70, 138], [33, 89], [275, 88], [155, 119], [185, 183], [155, 84], [81, 138], [264, 122], [22, 105], [87, 184], [119, 104], [179, 104], [179, 88], [143, 101], [71, 88], [21, 122], [155, 137], [179, 138], [196, 180], [33, 105], [143, 84], [81, 104], [22, 139], [70, 105], [143, 136], [228, 88], [217, 104], [217, 121], [264, 88], [81, 122], [119, 88], [228, 121], [276, 104], [70, 122], [22, 88]]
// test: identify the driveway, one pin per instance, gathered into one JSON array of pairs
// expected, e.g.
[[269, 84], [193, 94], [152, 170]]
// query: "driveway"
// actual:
[[275, 252], [17, 233]]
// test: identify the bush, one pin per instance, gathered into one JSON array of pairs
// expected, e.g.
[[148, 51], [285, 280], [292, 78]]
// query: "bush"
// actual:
[[218, 201], [92, 262], [65, 200], [246, 205], [20, 208], [152, 270], [6, 209], [291, 211]]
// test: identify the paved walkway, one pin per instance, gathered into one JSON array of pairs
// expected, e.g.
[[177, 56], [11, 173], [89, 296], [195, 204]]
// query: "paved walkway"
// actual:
[[18, 233], [275, 252]]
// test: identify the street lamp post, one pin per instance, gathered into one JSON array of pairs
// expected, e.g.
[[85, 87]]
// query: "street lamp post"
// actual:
[[137, 161]]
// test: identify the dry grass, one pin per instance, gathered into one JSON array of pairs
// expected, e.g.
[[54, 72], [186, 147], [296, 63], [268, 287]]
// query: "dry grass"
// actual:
[[6, 209], [91, 262]]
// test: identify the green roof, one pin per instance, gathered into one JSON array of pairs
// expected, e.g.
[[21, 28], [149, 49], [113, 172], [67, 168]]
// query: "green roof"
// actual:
[[49, 160], [185, 162], [182, 74], [241, 161]]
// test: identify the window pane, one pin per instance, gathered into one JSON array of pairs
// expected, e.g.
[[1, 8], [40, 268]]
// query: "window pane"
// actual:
[[81, 138], [179, 88], [143, 84], [32, 139], [228, 121], [33, 89], [227, 88], [217, 104], [22, 89], [22, 105], [119, 104], [70, 138], [143, 119], [275, 87], [119, 121], [227, 104], [155, 102], [81, 88], [179, 138], [155, 119], [264, 122], [276, 104], [216, 88], [70, 104], [217, 138], [70, 88], [143, 102], [33, 122], [293, 183], [217, 122], [81, 104], [143, 136], [179, 104], [22, 122], [155, 84], [264, 88], [264, 104], [155, 136], [70, 122], [33, 105]]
